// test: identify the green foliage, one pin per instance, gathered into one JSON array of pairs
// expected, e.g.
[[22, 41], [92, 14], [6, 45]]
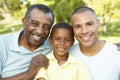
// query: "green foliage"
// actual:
[[108, 9], [1, 17], [13, 4], [64, 8], [7, 27], [19, 14], [113, 29]]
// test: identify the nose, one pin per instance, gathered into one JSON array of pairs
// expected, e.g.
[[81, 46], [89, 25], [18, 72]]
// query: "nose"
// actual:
[[62, 42], [40, 30], [84, 30]]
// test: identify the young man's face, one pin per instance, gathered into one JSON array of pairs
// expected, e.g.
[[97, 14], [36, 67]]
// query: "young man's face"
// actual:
[[37, 27], [61, 41], [85, 26]]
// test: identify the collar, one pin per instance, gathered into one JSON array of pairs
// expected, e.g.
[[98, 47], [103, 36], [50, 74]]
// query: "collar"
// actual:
[[15, 44], [71, 59]]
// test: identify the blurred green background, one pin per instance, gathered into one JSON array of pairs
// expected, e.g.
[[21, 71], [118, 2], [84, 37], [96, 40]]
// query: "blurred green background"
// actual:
[[12, 12]]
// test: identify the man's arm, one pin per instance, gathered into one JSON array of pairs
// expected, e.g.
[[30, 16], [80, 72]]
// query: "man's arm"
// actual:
[[36, 62]]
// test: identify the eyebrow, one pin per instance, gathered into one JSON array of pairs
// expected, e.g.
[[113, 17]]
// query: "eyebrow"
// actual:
[[39, 23], [34, 21]]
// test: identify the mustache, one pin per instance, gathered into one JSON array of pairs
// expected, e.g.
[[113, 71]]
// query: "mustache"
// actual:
[[39, 35]]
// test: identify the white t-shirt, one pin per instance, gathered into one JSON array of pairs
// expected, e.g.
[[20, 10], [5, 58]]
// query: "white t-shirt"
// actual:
[[105, 65]]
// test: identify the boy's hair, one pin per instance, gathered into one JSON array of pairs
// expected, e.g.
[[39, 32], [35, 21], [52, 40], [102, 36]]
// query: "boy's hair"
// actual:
[[62, 25], [40, 7], [83, 9]]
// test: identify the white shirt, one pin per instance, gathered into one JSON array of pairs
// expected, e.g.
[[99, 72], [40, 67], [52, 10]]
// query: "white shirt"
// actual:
[[105, 65]]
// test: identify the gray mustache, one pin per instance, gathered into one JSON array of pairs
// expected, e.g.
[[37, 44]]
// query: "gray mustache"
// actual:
[[42, 35]]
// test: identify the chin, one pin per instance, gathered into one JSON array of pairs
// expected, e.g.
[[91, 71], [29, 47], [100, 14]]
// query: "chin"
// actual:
[[85, 44]]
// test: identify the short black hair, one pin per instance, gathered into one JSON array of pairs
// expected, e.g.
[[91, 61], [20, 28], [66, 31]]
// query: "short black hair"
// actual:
[[62, 25], [40, 7], [83, 9]]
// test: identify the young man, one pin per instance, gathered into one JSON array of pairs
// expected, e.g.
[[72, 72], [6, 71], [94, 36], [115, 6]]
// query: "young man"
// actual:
[[17, 50], [63, 66], [101, 57]]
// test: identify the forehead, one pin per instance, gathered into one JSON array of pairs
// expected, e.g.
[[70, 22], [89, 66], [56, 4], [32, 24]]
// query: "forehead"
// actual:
[[85, 16], [39, 15], [63, 31]]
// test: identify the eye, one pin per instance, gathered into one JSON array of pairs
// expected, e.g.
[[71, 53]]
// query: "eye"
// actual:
[[68, 39], [35, 24], [76, 26], [56, 38], [90, 24], [46, 27]]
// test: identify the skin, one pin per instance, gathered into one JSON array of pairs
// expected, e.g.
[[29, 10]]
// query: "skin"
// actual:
[[85, 26], [61, 41], [36, 31], [41, 79]]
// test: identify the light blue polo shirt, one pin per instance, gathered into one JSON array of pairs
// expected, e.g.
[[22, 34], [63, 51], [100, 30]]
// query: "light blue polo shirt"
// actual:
[[15, 59]]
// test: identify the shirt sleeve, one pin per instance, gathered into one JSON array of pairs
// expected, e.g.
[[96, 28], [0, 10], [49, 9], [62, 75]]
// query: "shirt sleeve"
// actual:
[[3, 56], [1, 63], [0, 66], [42, 74], [83, 73]]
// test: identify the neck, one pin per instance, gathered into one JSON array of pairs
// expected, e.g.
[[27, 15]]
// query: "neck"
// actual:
[[23, 42], [61, 59], [92, 50]]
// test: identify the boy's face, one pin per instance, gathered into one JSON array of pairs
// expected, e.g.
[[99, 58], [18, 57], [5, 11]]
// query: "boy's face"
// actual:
[[61, 41]]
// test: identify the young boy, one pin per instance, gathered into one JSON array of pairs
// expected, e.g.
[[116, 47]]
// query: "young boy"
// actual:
[[62, 66]]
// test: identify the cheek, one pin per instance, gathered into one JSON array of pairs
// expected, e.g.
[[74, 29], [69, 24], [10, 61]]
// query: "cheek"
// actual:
[[28, 27], [27, 24], [47, 32], [69, 46], [95, 29], [76, 31]]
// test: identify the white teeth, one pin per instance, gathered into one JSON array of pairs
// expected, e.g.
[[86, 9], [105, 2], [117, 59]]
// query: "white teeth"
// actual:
[[61, 49], [36, 37], [85, 38]]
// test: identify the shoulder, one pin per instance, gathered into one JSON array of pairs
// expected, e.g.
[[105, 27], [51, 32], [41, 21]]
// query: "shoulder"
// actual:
[[47, 44], [10, 37], [74, 60], [111, 47], [75, 50], [112, 51], [4, 37], [74, 47]]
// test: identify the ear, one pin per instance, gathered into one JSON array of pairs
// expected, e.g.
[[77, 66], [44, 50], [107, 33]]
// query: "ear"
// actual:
[[24, 22], [98, 23]]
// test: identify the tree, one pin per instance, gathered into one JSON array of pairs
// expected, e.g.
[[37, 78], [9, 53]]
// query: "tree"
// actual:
[[64, 8], [105, 9], [14, 8]]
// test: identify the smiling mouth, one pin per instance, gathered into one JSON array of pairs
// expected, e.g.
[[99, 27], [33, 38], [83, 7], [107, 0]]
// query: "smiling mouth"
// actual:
[[38, 38], [85, 38], [60, 49]]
